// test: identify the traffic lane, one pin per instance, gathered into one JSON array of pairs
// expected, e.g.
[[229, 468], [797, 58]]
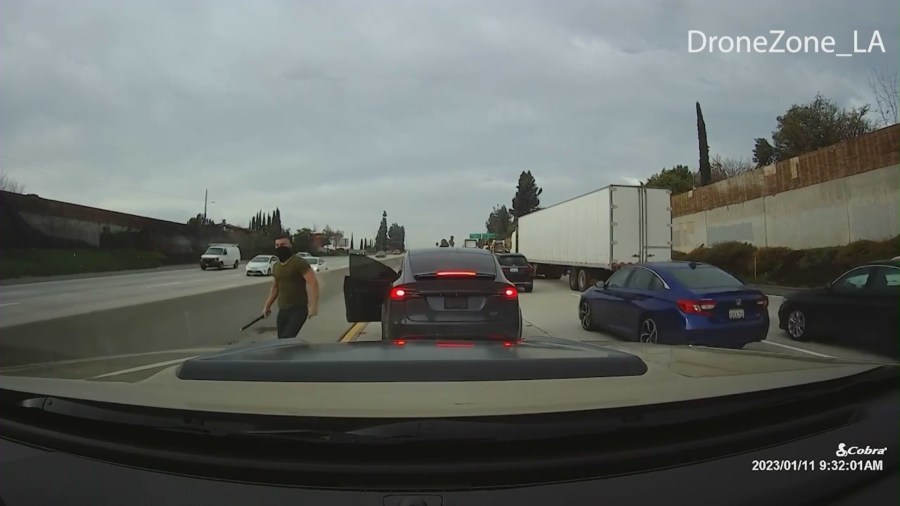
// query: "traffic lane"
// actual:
[[128, 344], [27, 303], [552, 310], [27, 280], [554, 307]]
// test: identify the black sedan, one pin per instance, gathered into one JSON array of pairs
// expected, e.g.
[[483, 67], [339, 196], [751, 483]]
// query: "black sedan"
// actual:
[[860, 308], [517, 269], [439, 292]]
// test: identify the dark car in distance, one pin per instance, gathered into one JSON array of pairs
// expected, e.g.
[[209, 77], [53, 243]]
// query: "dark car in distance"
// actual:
[[677, 303], [439, 292], [517, 270]]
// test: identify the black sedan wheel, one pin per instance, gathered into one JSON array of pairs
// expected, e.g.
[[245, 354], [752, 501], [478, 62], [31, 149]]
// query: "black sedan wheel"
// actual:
[[796, 325], [586, 317]]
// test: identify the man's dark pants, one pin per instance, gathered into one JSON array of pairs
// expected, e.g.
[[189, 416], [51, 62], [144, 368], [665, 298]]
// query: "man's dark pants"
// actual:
[[291, 320]]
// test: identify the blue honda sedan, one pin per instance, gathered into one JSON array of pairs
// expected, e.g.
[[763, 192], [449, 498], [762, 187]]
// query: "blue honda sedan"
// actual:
[[676, 303]]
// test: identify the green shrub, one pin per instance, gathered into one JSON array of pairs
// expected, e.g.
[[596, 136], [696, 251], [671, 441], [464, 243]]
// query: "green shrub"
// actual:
[[52, 262], [734, 257], [785, 266]]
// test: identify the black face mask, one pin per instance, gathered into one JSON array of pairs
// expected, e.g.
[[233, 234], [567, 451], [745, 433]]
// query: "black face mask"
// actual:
[[283, 253]]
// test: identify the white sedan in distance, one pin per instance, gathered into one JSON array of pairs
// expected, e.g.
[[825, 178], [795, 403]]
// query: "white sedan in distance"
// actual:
[[317, 264], [261, 265]]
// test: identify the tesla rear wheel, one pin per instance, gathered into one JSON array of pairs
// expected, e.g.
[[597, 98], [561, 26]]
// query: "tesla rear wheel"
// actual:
[[648, 332], [796, 326], [586, 317]]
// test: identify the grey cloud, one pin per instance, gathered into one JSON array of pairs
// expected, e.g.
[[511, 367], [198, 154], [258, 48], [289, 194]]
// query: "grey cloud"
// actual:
[[333, 111]]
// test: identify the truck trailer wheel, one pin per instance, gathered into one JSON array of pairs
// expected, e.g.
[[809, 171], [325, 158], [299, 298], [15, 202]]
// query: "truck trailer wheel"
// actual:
[[583, 280], [573, 274]]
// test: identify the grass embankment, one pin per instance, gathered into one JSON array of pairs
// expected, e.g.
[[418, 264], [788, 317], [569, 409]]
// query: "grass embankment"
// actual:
[[55, 262], [789, 267]]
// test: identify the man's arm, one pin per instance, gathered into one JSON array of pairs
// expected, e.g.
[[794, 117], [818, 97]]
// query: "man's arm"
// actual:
[[273, 296], [312, 290]]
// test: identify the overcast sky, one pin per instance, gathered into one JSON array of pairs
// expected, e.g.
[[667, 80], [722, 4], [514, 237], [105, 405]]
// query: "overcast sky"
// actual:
[[337, 110]]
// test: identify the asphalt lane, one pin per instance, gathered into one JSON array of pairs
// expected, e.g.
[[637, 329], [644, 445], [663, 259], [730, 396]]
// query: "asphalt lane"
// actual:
[[199, 321], [47, 300], [125, 344], [552, 310]]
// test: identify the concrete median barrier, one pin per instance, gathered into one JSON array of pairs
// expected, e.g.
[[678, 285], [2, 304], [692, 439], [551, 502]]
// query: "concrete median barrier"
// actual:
[[205, 320]]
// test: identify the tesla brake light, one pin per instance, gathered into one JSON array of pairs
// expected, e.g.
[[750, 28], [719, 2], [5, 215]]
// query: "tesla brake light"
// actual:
[[763, 302], [398, 293], [701, 307], [456, 273], [510, 292]]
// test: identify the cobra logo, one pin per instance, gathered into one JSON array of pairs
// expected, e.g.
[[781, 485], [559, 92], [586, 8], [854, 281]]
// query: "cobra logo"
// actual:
[[843, 451]]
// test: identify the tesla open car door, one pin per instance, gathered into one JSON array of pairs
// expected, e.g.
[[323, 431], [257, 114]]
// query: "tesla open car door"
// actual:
[[366, 287]]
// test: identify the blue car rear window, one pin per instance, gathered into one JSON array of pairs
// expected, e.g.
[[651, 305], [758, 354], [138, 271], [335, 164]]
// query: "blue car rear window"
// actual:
[[705, 277]]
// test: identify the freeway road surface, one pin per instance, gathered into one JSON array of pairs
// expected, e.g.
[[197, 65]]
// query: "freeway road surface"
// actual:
[[127, 343], [45, 300], [552, 310]]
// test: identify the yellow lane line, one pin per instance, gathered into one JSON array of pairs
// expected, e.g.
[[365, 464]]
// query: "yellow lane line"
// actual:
[[353, 332]]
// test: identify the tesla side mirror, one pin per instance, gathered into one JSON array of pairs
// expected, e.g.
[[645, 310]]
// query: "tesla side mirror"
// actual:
[[600, 284]]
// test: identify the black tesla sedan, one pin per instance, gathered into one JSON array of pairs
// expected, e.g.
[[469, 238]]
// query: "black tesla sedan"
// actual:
[[446, 292]]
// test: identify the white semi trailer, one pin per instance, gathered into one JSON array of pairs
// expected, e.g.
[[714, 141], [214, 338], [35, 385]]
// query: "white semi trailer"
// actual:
[[589, 237]]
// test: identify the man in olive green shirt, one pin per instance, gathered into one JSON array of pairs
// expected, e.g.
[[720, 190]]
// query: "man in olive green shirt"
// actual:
[[296, 289]]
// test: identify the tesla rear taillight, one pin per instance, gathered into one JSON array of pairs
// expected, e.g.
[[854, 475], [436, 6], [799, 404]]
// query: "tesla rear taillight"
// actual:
[[701, 307], [399, 342], [510, 293], [400, 293], [456, 273], [763, 302]]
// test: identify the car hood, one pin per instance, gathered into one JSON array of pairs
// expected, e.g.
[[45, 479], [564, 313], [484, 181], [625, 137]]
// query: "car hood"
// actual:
[[672, 374]]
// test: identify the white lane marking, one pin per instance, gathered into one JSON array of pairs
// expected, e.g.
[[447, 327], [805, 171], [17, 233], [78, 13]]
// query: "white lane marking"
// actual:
[[165, 284], [10, 304], [144, 367], [575, 294], [801, 350]]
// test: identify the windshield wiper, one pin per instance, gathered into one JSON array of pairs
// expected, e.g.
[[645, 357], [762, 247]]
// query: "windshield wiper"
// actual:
[[418, 431]]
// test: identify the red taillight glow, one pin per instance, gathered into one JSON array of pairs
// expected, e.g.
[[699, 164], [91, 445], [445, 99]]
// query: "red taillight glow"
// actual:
[[398, 293], [456, 273], [508, 344], [511, 293], [701, 307], [455, 345], [399, 342]]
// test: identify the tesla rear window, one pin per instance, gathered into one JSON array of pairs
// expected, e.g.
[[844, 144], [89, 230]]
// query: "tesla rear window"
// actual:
[[452, 262], [705, 277], [513, 261]]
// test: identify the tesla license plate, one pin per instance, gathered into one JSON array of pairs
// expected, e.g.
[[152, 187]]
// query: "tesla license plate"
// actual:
[[736, 314], [455, 303]]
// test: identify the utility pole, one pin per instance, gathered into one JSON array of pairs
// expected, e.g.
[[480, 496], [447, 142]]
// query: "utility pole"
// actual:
[[205, 198]]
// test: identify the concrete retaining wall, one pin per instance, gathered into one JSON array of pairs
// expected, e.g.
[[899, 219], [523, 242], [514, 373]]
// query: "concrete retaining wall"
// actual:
[[830, 197]]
